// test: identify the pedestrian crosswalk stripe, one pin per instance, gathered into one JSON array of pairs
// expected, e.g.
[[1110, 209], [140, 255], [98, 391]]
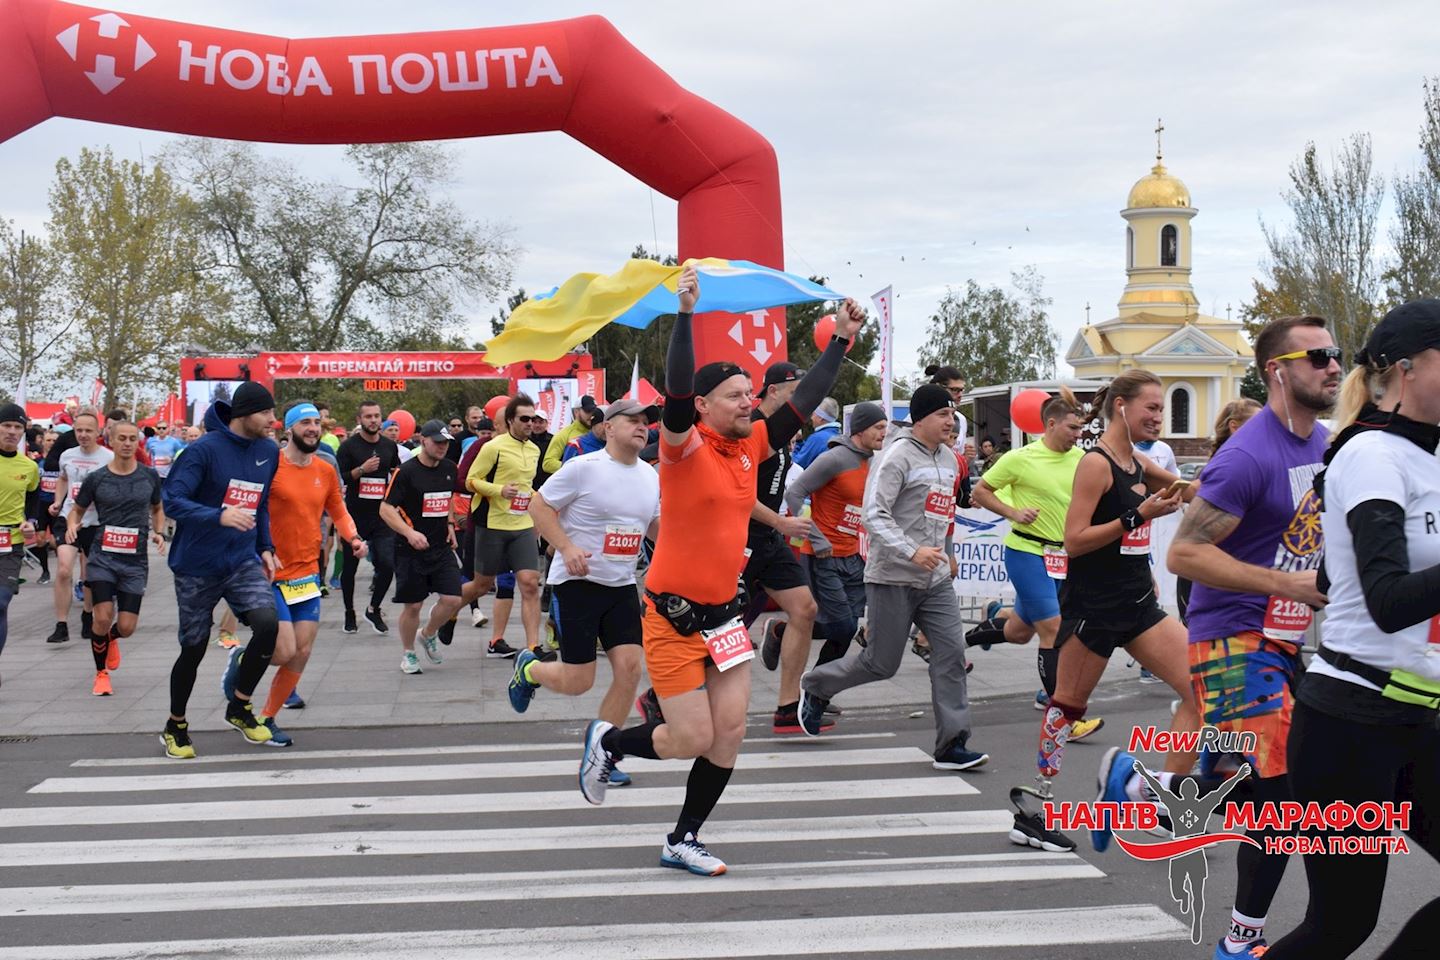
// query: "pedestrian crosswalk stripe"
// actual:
[[131, 898], [380, 753], [803, 791], [808, 936], [507, 770], [373, 843]]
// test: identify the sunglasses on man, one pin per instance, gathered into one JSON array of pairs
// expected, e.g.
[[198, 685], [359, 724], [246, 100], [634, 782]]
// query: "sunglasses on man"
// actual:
[[1319, 357], [455, 425], [527, 418]]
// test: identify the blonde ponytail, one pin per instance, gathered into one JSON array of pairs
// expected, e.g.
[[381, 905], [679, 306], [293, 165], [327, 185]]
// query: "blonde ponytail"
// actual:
[[1356, 390]]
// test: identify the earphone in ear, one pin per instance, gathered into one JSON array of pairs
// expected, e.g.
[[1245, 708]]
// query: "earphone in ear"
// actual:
[[1279, 376], [1405, 364]]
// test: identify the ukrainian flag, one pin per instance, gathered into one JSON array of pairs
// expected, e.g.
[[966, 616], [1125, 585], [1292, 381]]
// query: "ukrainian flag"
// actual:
[[551, 324]]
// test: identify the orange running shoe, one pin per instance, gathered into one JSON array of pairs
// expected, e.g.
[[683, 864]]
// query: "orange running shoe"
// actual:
[[228, 640], [102, 685], [112, 656]]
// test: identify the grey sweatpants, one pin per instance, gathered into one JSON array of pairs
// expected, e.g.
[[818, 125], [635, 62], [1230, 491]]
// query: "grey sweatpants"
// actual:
[[890, 611]]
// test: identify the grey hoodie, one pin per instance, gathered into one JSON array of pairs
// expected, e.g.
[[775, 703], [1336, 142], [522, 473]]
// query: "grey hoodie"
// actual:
[[904, 478], [841, 456]]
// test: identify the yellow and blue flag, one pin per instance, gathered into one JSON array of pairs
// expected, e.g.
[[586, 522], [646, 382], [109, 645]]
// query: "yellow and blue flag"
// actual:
[[548, 326]]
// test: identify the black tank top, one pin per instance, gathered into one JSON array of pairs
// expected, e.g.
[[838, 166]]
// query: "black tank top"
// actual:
[[1117, 576]]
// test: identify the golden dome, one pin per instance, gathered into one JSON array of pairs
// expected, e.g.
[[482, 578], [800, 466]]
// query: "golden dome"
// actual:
[[1159, 189]]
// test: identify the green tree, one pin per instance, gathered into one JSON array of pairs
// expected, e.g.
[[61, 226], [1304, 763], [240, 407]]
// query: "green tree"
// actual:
[[323, 266], [1253, 385], [1415, 234], [128, 252], [1325, 263], [31, 322], [992, 335]]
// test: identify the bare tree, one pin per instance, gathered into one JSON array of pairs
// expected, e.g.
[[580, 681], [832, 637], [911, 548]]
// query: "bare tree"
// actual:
[[319, 266], [1415, 273], [31, 321]]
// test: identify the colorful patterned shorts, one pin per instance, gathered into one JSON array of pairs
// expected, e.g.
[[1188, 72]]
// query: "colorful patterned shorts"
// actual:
[[1247, 683]]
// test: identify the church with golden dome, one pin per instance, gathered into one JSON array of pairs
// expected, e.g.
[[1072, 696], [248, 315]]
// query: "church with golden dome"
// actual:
[[1159, 327]]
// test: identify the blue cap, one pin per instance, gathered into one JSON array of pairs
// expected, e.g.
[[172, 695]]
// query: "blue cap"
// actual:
[[299, 412], [388, 424]]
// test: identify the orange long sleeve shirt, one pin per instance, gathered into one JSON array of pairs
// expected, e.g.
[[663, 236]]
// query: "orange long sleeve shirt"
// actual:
[[298, 497]]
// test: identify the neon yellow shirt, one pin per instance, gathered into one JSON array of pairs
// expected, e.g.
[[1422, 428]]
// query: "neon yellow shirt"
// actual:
[[18, 476], [512, 461], [1036, 476]]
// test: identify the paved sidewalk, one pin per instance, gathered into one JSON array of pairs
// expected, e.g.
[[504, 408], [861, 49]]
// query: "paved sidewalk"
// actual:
[[355, 680]]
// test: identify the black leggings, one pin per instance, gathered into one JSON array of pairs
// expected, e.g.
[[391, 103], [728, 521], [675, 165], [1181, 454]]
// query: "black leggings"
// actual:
[[264, 625], [1332, 759], [382, 555]]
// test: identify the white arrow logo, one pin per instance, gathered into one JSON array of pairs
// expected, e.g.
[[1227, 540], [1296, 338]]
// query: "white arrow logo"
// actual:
[[104, 76]]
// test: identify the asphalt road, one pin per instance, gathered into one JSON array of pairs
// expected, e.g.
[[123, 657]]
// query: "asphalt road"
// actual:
[[470, 840]]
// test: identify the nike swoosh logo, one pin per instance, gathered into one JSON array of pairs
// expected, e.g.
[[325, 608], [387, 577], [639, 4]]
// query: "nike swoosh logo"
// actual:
[[261, 463]]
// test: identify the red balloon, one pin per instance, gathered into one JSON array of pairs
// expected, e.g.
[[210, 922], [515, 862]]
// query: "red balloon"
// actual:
[[405, 421], [825, 330], [494, 405], [1025, 410]]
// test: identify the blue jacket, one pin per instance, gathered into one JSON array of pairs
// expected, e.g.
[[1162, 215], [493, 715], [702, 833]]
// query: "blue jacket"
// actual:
[[587, 442], [197, 487], [816, 443]]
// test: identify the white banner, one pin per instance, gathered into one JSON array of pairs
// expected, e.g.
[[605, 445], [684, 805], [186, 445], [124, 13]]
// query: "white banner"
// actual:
[[884, 305], [979, 549], [554, 397]]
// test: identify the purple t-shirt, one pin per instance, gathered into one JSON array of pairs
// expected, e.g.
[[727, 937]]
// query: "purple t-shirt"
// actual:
[[1264, 475]]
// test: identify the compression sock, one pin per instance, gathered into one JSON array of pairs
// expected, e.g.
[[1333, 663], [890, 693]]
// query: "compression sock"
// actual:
[[702, 792], [1244, 932], [284, 684], [986, 633], [100, 648], [637, 741], [1054, 730], [1048, 661]]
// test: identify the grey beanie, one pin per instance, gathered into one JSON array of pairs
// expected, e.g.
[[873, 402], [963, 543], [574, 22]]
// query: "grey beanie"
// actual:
[[863, 416]]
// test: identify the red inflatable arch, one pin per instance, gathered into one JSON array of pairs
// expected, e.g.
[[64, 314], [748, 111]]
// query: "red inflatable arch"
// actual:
[[579, 76]]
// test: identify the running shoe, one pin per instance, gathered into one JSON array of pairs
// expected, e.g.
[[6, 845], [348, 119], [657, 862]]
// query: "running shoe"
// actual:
[[648, 706], [176, 737], [324, 591], [60, 634], [241, 716], [958, 756], [522, 690], [811, 712], [1115, 768], [1029, 831], [922, 650], [112, 656], [544, 654], [1255, 951], [787, 721], [79, 590], [44, 580], [1042, 700], [294, 701], [478, 618], [232, 669], [690, 854], [227, 640], [102, 684], [500, 650], [409, 663], [1147, 677], [447, 632], [431, 646], [770, 646], [1081, 729], [278, 737], [351, 626], [377, 621], [862, 636], [619, 778], [335, 583], [87, 620], [596, 763]]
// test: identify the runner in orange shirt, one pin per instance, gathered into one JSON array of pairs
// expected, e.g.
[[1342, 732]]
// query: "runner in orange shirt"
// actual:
[[304, 489], [697, 650]]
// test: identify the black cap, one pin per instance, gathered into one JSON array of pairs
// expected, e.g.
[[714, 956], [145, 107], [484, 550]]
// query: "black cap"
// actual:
[[782, 372], [13, 413], [485, 423], [435, 430], [250, 397], [587, 403], [926, 399], [1403, 332], [711, 375]]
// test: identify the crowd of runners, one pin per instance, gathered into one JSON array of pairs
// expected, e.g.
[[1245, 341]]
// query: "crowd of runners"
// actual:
[[657, 535]]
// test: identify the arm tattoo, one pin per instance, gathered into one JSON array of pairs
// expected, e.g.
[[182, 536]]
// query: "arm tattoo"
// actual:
[[1206, 523]]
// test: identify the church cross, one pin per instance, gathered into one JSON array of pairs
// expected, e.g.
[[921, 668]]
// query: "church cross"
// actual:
[[1159, 129]]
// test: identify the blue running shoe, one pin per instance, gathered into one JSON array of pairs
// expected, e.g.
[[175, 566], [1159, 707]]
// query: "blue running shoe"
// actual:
[[232, 669], [1115, 769], [522, 691], [80, 590], [596, 763], [1255, 951], [294, 701], [619, 778], [278, 737], [1042, 700], [335, 583], [811, 712]]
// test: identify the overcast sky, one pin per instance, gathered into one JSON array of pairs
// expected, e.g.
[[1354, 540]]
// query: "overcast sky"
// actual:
[[968, 138]]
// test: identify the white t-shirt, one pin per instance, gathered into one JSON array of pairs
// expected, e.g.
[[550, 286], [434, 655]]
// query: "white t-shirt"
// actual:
[[605, 508], [1378, 466], [1161, 454], [75, 466]]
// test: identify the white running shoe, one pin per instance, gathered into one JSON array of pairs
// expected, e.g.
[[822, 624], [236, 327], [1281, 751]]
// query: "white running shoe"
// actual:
[[431, 646], [478, 618], [410, 663], [596, 763], [690, 854]]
